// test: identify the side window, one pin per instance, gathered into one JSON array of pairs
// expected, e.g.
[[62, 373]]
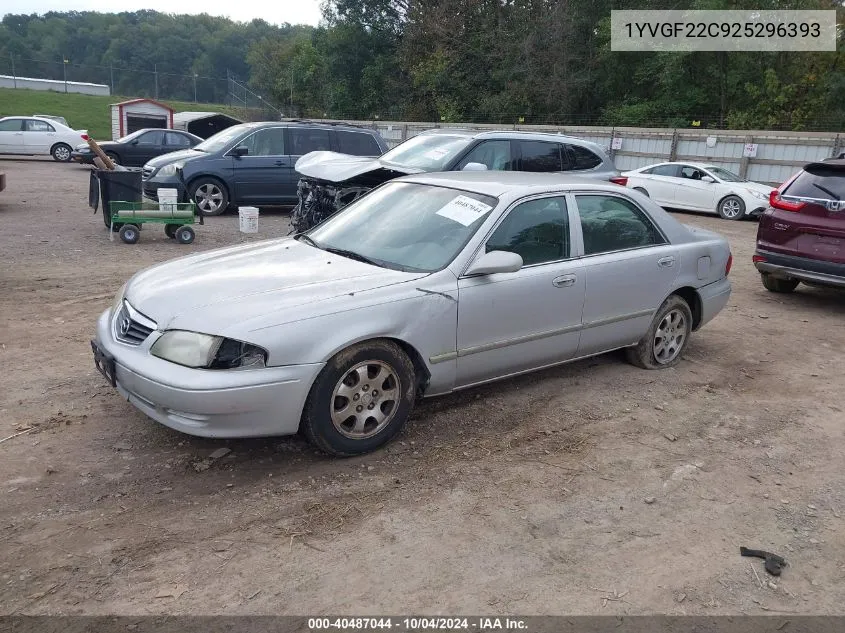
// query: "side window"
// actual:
[[582, 158], [540, 156], [12, 125], [496, 155], [537, 230], [266, 142], [357, 144], [155, 137], [611, 223], [34, 125], [664, 170], [176, 140], [304, 140], [691, 173]]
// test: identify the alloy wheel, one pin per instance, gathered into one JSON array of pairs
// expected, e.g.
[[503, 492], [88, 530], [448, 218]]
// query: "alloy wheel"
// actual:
[[365, 400]]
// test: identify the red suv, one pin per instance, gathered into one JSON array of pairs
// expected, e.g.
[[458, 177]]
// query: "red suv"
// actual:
[[801, 236]]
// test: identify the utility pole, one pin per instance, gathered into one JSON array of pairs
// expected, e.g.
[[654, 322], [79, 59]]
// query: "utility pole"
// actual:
[[64, 60], [195, 88], [14, 76], [111, 76], [155, 70]]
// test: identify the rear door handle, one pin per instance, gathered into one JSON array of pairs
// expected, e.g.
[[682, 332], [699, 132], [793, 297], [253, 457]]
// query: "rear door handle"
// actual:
[[563, 281], [281, 163], [666, 262]]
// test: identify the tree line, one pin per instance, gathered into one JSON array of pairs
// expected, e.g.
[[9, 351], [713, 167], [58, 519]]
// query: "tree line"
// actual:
[[497, 61]]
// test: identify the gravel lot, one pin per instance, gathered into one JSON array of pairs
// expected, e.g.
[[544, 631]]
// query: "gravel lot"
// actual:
[[523, 497]]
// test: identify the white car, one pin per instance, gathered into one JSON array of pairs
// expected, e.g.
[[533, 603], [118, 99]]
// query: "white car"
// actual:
[[700, 187], [32, 135]]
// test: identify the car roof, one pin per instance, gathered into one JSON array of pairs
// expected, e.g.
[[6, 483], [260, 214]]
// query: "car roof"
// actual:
[[308, 123], [496, 183], [830, 162], [511, 134]]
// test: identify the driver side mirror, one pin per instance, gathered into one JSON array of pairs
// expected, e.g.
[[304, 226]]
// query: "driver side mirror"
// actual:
[[496, 262], [474, 167], [240, 151], [707, 179], [135, 142]]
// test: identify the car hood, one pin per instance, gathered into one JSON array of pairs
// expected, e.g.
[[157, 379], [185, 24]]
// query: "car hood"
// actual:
[[84, 147], [335, 167], [172, 157], [241, 288]]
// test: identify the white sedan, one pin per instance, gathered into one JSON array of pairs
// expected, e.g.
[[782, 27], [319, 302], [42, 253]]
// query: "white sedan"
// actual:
[[700, 187], [32, 135]]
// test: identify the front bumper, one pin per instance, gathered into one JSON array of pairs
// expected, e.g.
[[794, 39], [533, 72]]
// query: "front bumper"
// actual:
[[207, 403], [811, 271], [714, 297], [150, 187]]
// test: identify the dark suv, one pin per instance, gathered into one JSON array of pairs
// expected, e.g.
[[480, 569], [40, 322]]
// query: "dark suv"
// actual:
[[252, 163], [801, 236]]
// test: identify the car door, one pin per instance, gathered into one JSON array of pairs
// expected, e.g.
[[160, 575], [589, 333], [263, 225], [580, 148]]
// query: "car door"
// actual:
[[514, 322], [146, 147], [691, 192], [660, 182], [38, 136], [262, 175], [11, 136], [630, 268], [303, 140]]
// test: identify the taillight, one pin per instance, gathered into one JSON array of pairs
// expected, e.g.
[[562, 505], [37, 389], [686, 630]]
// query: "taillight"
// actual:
[[757, 258], [619, 180], [84, 137], [729, 264], [777, 202]]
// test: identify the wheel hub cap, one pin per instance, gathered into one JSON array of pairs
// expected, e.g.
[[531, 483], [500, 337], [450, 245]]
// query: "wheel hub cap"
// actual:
[[365, 400], [670, 336]]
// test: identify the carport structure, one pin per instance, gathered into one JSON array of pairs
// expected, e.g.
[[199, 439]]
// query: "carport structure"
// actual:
[[203, 124]]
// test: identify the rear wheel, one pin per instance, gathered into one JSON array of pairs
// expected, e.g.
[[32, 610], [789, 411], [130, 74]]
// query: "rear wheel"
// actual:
[[184, 235], [361, 399], [170, 230], [775, 284], [129, 233], [666, 338], [642, 191], [732, 208], [61, 152]]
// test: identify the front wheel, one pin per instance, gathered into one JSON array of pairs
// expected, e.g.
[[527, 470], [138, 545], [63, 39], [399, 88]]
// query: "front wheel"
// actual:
[[774, 284], [129, 233], [732, 208], [210, 196], [184, 235], [666, 338], [361, 399], [61, 152]]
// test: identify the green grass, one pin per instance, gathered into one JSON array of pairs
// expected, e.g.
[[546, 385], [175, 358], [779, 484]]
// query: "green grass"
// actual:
[[86, 112]]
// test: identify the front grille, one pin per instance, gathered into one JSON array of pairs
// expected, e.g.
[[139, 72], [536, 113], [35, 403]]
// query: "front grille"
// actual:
[[147, 173], [132, 327]]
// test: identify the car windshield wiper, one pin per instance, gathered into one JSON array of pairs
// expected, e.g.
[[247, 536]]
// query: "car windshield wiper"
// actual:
[[351, 255], [827, 191], [305, 238]]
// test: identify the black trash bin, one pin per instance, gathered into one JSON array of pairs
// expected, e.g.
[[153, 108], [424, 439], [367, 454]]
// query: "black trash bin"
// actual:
[[108, 186]]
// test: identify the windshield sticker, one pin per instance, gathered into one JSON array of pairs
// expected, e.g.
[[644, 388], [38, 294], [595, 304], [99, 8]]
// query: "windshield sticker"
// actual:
[[436, 153], [464, 210]]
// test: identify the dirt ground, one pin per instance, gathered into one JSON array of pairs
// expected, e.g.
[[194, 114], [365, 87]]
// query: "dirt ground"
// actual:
[[530, 496]]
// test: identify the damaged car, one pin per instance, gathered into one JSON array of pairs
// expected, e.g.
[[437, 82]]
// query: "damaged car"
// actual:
[[330, 181]]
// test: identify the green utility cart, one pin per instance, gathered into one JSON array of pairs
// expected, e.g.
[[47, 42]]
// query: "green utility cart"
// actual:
[[128, 217]]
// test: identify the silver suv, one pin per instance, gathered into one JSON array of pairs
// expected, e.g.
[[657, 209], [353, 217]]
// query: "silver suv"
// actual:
[[330, 181]]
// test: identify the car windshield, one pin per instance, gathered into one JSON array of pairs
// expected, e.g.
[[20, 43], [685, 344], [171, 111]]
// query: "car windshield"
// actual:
[[404, 226], [428, 152], [221, 139], [724, 174]]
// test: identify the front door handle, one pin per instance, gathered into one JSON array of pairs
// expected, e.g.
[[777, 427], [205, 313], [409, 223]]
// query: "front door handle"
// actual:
[[563, 281], [666, 262]]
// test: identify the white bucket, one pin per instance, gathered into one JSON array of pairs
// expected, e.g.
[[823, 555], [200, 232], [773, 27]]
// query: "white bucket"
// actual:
[[249, 219], [167, 199]]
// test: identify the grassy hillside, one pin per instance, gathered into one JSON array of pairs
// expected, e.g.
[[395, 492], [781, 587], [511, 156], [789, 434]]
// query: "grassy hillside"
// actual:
[[85, 112]]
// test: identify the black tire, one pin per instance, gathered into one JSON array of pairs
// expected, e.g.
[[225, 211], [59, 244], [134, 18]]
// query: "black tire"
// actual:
[[317, 423], [213, 196], [731, 208], [643, 353], [129, 233], [642, 191], [170, 230], [114, 157], [61, 152], [776, 284], [184, 235]]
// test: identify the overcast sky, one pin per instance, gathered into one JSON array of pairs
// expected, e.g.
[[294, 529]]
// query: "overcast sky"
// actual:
[[273, 11]]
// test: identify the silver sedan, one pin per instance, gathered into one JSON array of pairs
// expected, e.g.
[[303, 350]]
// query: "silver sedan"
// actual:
[[428, 284]]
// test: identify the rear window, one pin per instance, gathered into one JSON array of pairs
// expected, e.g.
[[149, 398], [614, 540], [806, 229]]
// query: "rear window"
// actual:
[[821, 182], [540, 156], [304, 140], [357, 144], [582, 158]]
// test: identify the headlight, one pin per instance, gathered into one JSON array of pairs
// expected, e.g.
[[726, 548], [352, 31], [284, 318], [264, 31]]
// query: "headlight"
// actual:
[[118, 300], [202, 351], [759, 196], [170, 170]]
